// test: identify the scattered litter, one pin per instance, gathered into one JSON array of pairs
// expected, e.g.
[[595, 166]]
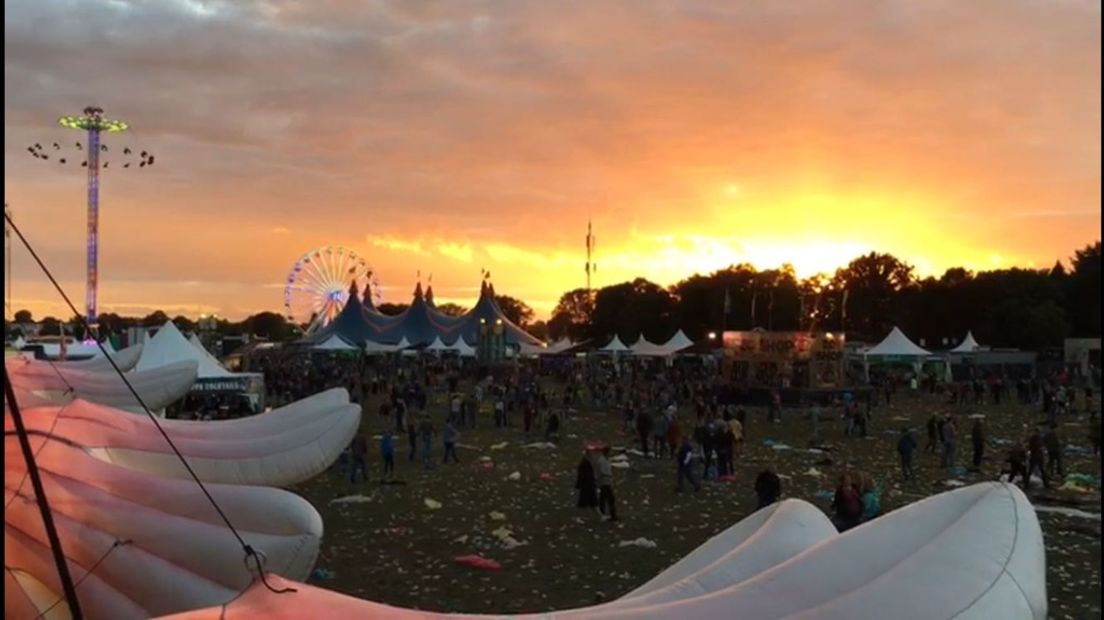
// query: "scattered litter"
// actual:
[[497, 516], [478, 561], [514, 476], [499, 446], [634, 452], [954, 483], [1082, 479], [780, 446], [639, 542], [540, 444], [1070, 486], [726, 478], [642, 476], [619, 464], [619, 457], [815, 451], [1069, 512], [824, 495], [488, 466], [432, 504], [484, 459], [352, 499], [546, 476], [463, 539], [814, 472]]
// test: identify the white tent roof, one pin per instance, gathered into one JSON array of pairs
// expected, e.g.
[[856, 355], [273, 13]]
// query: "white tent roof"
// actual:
[[169, 345], [462, 348], [334, 343], [615, 346], [437, 345], [969, 345], [675, 344], [896, 344], [562, 344], [524, 348]]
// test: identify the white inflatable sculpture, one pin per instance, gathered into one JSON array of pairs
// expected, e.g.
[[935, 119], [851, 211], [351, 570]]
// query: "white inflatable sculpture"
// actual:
[[41, 383], [973, 553], [126, 359], [282, 447], [180, 552]]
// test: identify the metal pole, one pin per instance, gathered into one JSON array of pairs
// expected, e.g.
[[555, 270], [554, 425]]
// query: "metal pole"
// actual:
[[43, 505]]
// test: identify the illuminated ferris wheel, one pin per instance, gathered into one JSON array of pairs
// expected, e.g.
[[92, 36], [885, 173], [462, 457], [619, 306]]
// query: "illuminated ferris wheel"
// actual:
[[318, 285]]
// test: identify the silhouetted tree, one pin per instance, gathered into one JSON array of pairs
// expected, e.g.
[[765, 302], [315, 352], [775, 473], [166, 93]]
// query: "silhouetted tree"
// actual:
[[452, 309], [516, 310]]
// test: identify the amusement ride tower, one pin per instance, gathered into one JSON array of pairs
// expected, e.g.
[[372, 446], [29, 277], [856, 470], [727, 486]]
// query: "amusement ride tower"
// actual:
[[93, 122]]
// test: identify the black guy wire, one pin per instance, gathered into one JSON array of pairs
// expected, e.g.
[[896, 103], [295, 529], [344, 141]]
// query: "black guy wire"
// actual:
[[250, 552]]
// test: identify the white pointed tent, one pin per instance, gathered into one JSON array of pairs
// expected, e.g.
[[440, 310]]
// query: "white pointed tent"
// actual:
[[462, 348], [169, 345], [615, 346], [897, 344], [559, 346], [334, 343], [969, 345], [437, 345], [673, 345]]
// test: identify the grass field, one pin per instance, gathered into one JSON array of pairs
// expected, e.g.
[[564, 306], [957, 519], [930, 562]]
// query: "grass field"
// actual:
[[390, 547]]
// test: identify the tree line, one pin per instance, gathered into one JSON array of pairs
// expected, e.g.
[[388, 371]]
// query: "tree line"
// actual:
[[1015, 308]]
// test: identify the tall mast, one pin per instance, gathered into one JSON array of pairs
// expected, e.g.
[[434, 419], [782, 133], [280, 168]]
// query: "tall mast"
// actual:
[[591, 267]]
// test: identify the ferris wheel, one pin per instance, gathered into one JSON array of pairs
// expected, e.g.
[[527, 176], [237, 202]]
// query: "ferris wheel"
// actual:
[[318, 285]]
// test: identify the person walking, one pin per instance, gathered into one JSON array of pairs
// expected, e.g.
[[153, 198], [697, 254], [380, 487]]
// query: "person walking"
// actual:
[[644, 426], [659, 435], [606, 502], [906, 446], [450, 435], [1094, 432], [387, 451], [411, 434]]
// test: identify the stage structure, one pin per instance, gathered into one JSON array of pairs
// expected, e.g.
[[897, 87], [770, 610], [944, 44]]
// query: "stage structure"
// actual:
[[802, 360]]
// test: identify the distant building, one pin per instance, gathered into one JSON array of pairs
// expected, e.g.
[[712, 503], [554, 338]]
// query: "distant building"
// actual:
[[1083, 355]]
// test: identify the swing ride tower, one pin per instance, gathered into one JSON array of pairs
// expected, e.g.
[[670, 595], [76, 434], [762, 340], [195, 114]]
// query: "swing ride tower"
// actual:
[[94, 123]]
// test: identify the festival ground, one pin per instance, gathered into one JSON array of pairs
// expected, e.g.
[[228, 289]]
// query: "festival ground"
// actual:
[[384, 543]]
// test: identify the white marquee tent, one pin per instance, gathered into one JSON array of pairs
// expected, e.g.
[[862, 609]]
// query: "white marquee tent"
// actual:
[[334, 343], [615, 346], [169, 345], [969, 345], [897, 344], [673, 345]]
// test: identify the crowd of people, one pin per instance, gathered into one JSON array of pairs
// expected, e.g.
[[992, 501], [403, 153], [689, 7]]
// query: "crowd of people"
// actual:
[[687, 413]]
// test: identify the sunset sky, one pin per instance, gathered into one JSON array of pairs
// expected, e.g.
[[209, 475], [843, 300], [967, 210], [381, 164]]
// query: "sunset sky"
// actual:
[[447, 137]]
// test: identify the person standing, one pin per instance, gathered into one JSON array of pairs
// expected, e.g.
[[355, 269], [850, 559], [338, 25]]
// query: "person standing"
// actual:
[[411, 434], [685, 464], [950, 442], [1053, 445], [906, 446], [1094, 432], [933, 424], [847, 504], [659, 435], [1017, 465], [606, 502], [426, 432], [1035, 459], [586, 482], [768, 488], [644, 426], [387, 451], [359, 460], [977, 438]]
